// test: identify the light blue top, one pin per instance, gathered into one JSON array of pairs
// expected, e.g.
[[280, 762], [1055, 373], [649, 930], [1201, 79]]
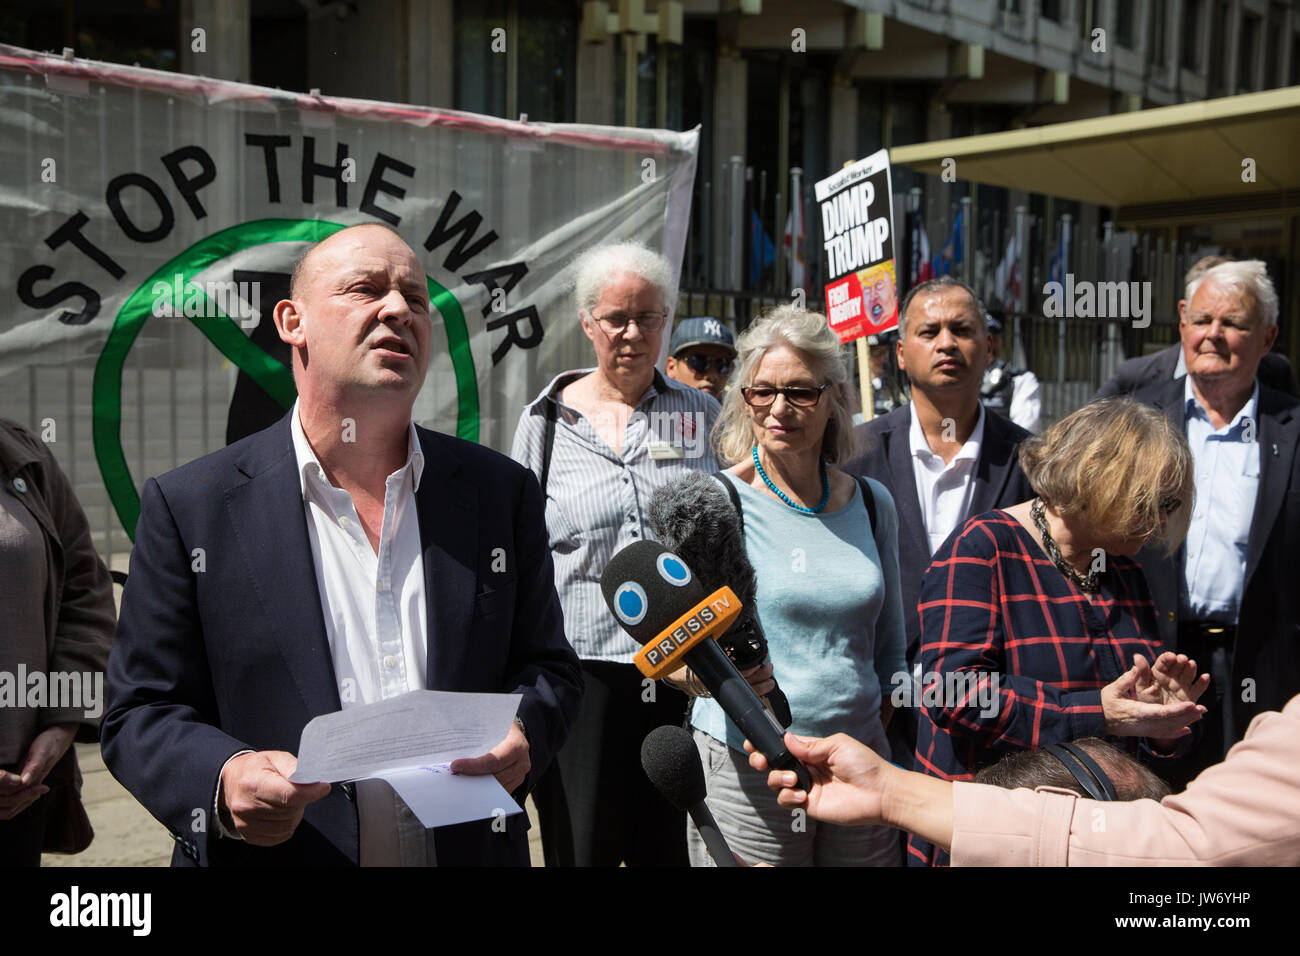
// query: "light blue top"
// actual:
[[831, 606], [1227, 484]]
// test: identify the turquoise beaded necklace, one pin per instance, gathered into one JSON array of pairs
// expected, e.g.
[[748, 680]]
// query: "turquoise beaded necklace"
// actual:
[[826, 488]]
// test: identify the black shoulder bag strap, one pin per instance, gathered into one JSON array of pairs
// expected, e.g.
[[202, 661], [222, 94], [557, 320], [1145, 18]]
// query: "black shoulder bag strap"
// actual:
[[869, 500], [735, 499], [548, 443]]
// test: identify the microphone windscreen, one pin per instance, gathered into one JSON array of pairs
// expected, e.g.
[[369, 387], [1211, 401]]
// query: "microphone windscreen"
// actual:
[[693, 516], [647, 588], [672, 763]]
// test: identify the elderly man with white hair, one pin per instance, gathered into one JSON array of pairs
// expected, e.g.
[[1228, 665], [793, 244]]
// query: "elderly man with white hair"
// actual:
[[601, 440], [1228, 598]]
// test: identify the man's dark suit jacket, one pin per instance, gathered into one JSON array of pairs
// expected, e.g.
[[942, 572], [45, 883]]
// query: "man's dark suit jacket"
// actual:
[[887, 457], [233, 657], [1148, 370], [1268, 625]]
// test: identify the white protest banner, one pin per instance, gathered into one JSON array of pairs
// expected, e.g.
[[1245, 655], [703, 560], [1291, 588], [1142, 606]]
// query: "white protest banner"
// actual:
[[149, 222], [858, 237]]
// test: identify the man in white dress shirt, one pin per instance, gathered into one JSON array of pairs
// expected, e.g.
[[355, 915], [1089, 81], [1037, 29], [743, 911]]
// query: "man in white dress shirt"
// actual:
[[350, 557], [942, 456]]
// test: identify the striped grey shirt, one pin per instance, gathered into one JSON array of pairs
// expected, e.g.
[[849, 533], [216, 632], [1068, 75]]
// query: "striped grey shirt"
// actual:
[[596, 500]]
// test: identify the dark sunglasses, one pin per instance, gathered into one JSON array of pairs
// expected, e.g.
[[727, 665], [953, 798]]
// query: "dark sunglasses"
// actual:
[[700, 364], [801, 396]]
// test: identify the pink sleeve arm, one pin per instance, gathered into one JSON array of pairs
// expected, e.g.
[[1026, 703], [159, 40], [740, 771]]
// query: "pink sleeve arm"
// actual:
[[1242, 812]]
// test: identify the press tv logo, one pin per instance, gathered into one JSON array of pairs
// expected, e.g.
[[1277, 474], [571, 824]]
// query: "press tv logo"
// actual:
[[706, 619]]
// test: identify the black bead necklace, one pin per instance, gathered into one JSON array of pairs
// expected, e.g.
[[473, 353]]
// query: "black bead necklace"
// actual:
[[1086, 582]]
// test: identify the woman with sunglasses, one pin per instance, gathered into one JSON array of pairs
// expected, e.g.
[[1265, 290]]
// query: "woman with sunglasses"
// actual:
[[601, 440], [828, 595], [1036, 624]]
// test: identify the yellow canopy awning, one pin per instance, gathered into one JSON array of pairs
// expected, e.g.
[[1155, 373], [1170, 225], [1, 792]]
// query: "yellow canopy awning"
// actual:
[[1171, 153]]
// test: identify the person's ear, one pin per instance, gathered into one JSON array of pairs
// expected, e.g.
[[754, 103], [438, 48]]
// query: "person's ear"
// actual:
[[898, 354], [288, 318], [1270, 336]]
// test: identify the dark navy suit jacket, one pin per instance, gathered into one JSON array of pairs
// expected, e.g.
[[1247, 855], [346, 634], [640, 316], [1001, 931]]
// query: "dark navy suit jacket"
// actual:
[[887, 457], [233, 657], [1267, 650]]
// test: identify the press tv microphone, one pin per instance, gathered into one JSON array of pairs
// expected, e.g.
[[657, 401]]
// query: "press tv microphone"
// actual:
[[657, 599], [672, 763], [693, 517]]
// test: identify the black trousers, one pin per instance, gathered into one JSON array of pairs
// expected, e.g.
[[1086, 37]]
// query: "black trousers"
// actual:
[[1212, 655], [595, 804], [23, 837]]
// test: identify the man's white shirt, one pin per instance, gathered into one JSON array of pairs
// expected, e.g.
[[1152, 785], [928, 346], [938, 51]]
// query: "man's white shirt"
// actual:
[[944, 491], [375, 613]]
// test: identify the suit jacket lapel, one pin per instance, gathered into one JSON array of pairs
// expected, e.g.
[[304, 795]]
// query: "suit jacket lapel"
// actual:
[[993, 466], [448, 511], [270, 526], [898, 458], [1166, 363], [1278, 427]]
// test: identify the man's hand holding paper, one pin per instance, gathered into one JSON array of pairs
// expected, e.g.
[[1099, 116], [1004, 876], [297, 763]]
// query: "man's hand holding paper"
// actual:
[[421, 744]]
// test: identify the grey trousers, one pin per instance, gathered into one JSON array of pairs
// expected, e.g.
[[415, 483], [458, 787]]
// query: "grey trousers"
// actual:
[[762, 831]]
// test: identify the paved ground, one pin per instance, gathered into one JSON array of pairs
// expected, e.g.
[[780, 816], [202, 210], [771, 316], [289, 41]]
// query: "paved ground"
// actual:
[[126, 835]]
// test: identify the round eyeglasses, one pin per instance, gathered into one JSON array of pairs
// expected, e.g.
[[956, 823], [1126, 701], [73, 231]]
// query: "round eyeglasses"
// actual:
[[615, 323]]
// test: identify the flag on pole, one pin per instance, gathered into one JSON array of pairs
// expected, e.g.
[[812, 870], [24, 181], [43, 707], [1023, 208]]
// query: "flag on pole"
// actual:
[[795, 233], [1056, 268], [149, 222], [762, 250], [925, 269], [1006, 278], [952, 252]]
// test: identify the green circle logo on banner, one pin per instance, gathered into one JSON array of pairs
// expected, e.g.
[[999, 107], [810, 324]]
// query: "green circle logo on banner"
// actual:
[[230, 340]]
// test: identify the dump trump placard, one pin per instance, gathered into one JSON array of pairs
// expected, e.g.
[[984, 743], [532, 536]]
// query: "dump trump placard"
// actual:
[[858, 242]]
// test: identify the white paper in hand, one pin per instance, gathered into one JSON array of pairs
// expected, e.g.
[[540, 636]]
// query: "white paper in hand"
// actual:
[[408, 741]]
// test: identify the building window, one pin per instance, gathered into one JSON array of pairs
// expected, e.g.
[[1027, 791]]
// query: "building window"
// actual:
[[1159, 26], [147, 37], [480, 73], [1051, 10], [1219, 48], [541, 40], [1125, 17], [548, 53], [1273, 40], [1247, 53], [1191, 52]]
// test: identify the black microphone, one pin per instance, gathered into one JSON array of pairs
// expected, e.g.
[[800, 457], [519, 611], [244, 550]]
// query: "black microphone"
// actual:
[[658, 600], [693, 517], [672, 763]]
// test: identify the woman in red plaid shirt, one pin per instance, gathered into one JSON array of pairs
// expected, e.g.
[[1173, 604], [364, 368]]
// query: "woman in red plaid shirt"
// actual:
[[1036, 624]]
